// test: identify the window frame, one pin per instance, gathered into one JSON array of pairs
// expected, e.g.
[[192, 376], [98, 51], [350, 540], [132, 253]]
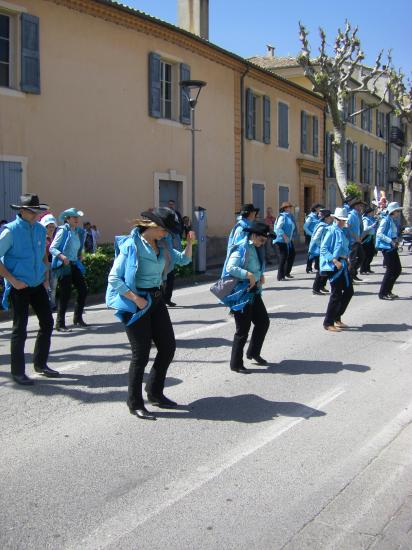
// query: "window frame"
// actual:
[[14, 49]]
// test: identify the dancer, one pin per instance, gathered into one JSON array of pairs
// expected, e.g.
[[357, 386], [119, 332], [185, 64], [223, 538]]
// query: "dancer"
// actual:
[[245, 264], [134, 290], [387, 240], [334, 252], [284, 229], [311, 221], [325, 219], [24, 267], [369, 224], [66, 249]]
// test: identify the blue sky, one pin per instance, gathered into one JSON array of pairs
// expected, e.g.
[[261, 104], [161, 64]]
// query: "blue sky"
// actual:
[[246, 26]]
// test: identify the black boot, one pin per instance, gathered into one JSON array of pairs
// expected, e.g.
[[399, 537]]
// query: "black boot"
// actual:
[[61, 325], [78, 320]]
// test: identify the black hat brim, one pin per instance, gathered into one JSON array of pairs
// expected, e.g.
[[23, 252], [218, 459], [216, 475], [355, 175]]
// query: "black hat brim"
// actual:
[[38, 208], [158, 221]]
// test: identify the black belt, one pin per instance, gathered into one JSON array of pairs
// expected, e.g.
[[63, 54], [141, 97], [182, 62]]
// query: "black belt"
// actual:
[[154, 292]]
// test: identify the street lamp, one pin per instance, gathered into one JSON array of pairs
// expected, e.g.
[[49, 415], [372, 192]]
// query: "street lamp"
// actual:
[[192, 89]]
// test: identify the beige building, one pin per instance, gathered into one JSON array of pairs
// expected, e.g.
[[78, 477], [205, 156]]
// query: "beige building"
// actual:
[[92, 116], [368, 136]]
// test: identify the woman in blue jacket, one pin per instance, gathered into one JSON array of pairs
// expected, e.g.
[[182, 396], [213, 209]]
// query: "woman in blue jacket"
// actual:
[[284, 229], [67, 249], [369, 224], [311, 221], [334, 253], [387, 238], [134, 290], [245, 264], [325, 219]]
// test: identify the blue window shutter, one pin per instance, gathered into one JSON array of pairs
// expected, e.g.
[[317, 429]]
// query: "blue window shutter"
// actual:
[[377, 123], [354, 161], [249, 114], [371, 155], [266, 119], [185, 113], [283, 125], [315, 136], [155, 109], [303, 132], [30, 54], [327, 155]]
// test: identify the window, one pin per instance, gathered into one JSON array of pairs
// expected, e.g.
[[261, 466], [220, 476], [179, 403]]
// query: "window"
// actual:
[[257, 116], [166, 99], [309, 137], [166, 92], [330, 169], [283, 125], [349, 160], [283, 194], [381, 127], [366, 170], [366, 117], [5, 51]]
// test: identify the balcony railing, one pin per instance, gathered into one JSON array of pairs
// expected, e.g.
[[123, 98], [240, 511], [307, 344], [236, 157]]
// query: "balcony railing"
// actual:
[[397, 136]]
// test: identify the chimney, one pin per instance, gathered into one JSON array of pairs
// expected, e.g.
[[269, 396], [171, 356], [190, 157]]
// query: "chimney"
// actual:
[[193, 16], [271, 50]]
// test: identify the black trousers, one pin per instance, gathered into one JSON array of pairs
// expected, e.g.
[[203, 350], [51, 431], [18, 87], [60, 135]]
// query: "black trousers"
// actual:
[[393, 270], [38, 299], [355, 259], [339, 299], [253, 313], [368, 254], [309, 263], [75, 278], [168, 287], [286, 254], [320, 280], [154, 325]]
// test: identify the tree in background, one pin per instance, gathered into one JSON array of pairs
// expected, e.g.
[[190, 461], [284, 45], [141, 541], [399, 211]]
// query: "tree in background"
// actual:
[[332, 76], [401, 97]]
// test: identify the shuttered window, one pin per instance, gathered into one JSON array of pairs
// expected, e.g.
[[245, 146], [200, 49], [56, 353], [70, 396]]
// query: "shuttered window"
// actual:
[[30, 54], [303, 132], [266, 119], [283, 125], [5, 53], [257, 116]]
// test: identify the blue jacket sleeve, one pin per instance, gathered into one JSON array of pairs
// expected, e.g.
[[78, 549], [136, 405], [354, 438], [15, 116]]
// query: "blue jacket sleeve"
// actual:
[[279, 227], [6, 241], [306, 226], [233, 265], [180, 258], [117, 274], [55, 247], [327, 246], [383, 227]]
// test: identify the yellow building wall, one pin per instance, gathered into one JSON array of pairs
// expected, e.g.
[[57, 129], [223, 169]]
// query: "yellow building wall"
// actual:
[[88, 138]]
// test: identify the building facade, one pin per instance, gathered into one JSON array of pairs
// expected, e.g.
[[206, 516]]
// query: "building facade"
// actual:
[[92, 116]]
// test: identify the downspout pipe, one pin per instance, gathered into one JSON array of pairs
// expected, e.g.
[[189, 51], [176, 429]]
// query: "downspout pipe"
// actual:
[[242, 136]]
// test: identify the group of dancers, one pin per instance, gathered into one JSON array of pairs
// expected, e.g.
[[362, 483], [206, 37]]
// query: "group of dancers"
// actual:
[[340, 244]]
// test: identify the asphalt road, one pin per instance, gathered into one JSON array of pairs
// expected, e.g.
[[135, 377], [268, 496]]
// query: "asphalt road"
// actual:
[[313, 451]]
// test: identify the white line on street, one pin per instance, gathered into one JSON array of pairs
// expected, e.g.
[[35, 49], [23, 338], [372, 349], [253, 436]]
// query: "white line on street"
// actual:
[[406, 345], [125, 523], [216, 325]]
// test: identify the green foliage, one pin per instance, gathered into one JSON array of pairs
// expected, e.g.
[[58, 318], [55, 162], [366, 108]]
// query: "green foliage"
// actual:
[[353, 190], [98, 266]]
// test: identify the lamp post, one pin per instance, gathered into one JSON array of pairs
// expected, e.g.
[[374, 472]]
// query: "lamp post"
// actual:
[[192, 89]]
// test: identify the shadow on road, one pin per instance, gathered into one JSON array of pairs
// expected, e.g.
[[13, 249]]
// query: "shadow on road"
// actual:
[[295, 367], [383, 327], [295, 315], [203, 343], [248, 408]]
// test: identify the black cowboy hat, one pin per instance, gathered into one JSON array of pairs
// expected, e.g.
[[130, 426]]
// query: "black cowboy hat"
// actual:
[[316, 205], [369, 209], [163, 217], [259, 228], [356, 201], [30, 202], [324, 213], [248, 209]]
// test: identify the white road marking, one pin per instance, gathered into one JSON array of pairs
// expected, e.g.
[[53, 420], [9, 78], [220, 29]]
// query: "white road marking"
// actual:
[[125, 523], [216, 325], [406, 345]]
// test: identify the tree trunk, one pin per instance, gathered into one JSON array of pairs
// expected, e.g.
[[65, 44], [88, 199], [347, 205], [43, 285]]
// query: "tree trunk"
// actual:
[[339, 158], [407, 184]]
